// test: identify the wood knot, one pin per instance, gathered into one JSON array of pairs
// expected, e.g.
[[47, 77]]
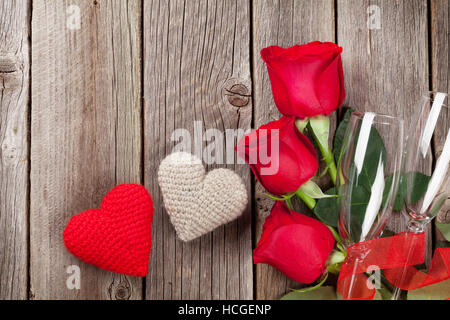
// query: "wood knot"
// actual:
[[238, 95], [120, 290], [122, 293], [11, 75], [8, 63]]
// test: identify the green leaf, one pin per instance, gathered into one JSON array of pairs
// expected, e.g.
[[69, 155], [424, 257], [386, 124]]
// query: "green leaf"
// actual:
[[340, 133], [375, 148], [320, 126], [334, 268], [360, 200], [399, 200], [419, 187], [442, 244], [444, 229], [327, 209], [378, 296], [437, 291], [301, 124], [311, 189], [335, 257], [322, 293]]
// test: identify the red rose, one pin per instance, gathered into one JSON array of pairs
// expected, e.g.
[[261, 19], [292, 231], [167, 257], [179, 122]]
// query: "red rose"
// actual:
[[280, 156], [295, 244], [307, 80]]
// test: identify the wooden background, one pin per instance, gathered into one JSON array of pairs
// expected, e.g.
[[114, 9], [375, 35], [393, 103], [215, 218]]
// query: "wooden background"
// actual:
[[84, 109]]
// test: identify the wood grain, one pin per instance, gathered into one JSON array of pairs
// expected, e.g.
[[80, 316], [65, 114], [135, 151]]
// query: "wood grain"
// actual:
[[14, 145], [200, 62], [86, 133], [440, 62], [196, 68], [282, 23]]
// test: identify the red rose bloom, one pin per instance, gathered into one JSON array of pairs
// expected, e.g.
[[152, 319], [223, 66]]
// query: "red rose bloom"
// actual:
[[295, 244], [307, 80], [291, 159]]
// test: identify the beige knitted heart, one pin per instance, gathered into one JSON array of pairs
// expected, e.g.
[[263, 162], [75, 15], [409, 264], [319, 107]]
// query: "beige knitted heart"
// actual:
[[196, 202]]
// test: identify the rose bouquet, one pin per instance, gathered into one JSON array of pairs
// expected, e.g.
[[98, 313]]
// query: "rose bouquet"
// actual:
[[308, 85]]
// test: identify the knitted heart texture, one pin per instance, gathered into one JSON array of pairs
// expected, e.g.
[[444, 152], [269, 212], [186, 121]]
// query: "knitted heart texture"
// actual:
[[198, 203], [116, 237]]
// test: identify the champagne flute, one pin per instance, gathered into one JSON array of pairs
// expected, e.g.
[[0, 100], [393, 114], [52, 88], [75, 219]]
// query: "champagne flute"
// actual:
[[369, 171], [426, 186], [369, 175]]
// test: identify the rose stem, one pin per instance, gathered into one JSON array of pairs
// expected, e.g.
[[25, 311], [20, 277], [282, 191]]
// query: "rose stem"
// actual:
[[310, 202]]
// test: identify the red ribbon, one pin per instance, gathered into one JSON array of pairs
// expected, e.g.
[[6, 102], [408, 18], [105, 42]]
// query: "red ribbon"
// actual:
[[397, 256]]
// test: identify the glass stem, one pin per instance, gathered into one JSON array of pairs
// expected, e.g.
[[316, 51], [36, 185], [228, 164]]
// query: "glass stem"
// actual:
[[414, 227]]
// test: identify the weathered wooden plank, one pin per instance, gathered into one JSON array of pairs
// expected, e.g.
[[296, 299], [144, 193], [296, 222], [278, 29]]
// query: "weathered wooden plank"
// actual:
[[195, 52], [282, 23], [385, 59], [440, 61], [86, 132], [14, 162]]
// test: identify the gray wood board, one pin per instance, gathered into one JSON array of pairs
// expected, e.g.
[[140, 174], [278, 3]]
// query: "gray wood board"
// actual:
[[14, 146], [86, 133], [440, 62], [196, 68]]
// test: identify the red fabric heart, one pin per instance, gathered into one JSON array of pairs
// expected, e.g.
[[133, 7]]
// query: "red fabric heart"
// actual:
[[116, 237]]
